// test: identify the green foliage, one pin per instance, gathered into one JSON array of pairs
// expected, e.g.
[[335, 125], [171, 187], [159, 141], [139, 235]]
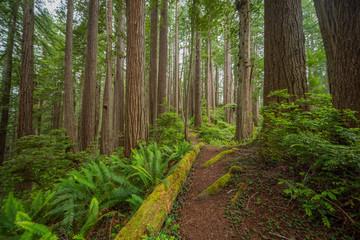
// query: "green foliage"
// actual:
[[17, 218], [169, 129], [39, 161], [149, 164], [86, 193], [168, 231], [324, 150], [218, 134]]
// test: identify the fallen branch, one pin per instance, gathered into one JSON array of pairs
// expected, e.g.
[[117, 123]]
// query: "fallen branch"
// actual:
[[280, 236]]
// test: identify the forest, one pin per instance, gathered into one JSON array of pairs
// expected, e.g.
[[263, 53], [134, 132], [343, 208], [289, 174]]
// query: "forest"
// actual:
[[180, 119]]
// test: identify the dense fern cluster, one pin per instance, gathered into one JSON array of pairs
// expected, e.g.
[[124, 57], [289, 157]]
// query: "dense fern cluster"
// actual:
[[89, 194], [324, 151]]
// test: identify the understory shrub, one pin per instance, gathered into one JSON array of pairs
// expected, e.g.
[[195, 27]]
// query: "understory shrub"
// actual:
[[38, 162], [169, 129], [324, 151], [219, 134]]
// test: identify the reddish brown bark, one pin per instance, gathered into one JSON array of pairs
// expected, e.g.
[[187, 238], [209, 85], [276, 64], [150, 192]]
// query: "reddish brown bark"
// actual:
[[135, 75]]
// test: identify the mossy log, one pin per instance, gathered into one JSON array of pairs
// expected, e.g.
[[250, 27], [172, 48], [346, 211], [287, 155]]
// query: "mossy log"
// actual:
[[242, 186], [152, 213], [218, 157], [218, 184]]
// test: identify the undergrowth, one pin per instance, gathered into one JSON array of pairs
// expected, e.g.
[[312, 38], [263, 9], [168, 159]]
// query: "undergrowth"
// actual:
[[324, 150]]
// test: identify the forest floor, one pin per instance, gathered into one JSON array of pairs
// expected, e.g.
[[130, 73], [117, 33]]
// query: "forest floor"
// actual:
[[262, 211]]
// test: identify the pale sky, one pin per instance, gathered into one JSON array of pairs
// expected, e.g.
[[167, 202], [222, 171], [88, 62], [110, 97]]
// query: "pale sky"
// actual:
[[51, 5]]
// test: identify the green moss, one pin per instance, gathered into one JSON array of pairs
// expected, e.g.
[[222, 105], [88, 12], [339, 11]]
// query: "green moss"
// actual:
[[218, 157], [241, 188], [218, 184], [152, 213], [235, 169]]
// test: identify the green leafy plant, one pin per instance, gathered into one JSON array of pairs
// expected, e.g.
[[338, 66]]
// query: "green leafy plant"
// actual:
[[324, 150], [39, 161], [19, 219], [87, 194], [169, 129]]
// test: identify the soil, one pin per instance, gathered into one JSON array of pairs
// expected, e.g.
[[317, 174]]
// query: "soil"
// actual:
[[261, 211], [205, 219]]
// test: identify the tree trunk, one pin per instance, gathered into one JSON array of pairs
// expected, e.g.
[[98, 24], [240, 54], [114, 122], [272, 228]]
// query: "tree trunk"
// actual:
[[243, 122], [162, 58], [6, 74], [198, 83], [227, 79], [340, 29], [119, 81], [176, 62], [135, 75], [207, 77], [284, 49], [68, 82], [216, 86], [107, 146], [25, 123], [153, 74], [88, 124]]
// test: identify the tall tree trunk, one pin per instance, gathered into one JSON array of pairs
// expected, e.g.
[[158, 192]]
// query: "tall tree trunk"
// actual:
[[162, 58], [6, 74], [340, 29], [135, 75], [216, 86], [88, 119], [119, 81], [107, 146], [284, 49], [227, 78], [176, 62], [68, 80], [153, 74], [187, 88], [243, 122], [212, 91], [169, 76], [198, 83], [25, 123], [207, 77]]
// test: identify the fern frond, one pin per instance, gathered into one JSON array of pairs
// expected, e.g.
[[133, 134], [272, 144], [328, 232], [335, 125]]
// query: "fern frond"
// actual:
[[34, 228], [91, 217]]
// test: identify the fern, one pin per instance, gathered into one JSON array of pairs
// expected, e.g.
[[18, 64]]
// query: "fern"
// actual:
[[37, 229]]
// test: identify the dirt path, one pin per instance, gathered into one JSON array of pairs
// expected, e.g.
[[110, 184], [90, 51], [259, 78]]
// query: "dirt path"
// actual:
[[205, 219]]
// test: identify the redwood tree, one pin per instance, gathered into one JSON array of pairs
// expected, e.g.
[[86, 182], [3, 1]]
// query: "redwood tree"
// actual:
[[88, 127], [340, 29], [162, 58], [284, 49], [135, 75], [68, 82], [243, 122], [25, 123], [153, 73], [6, 77], [107, 146], [119, 80]]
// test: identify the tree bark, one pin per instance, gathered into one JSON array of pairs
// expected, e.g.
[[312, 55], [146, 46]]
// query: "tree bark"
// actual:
[[227, 78], [198, 83], [25, 123], [284, 49], [216, 86], [135, 75], [340, 29], [162, 58], [6, 76], [88, 119], [243, 122], [119, 81], [207, 78], [176, 62], [107, 146], [153, 74], [68, 82]]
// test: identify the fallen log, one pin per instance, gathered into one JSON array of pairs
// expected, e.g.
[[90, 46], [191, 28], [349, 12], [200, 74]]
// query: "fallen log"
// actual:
[[218, 157], [152, 213]]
